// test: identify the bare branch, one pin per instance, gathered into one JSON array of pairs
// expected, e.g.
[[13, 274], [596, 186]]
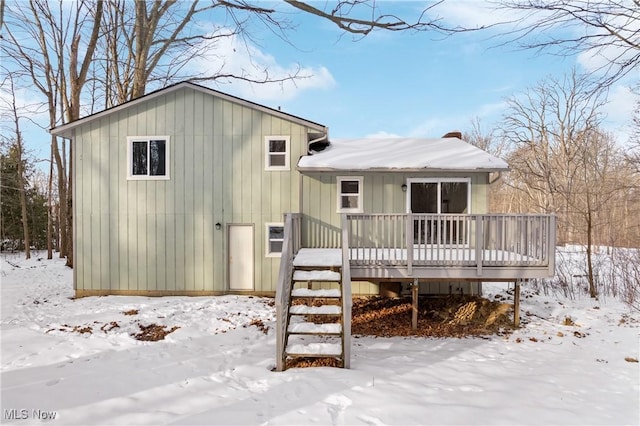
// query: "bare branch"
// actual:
[[342, 14], [607, 30]]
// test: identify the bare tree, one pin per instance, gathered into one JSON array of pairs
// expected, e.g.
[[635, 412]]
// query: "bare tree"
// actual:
[[490, 141], [604, 29], [596, 188], [543, 125], [484, 139], [634, 153], [152, 44], [54, 48], [19, 148], [562, 162]]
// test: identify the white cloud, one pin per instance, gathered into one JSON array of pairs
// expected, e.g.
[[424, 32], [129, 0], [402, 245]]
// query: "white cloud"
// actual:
[[233, 56]]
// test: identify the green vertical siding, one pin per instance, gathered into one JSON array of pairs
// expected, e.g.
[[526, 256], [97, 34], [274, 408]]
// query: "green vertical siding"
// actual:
[[160, 235], [382, 193]]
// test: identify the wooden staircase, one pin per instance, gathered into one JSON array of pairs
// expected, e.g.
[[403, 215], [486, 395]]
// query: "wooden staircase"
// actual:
[[312, 321], [315, 316]]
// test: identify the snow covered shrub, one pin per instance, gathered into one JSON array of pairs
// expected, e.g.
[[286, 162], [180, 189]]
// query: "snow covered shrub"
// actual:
[[616, 274], [629, 272]]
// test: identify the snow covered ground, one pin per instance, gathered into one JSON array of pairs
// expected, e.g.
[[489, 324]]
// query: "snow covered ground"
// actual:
[[70, 361]]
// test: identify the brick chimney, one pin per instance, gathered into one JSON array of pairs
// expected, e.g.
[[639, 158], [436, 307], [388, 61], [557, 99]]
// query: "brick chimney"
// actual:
[[454, 134]]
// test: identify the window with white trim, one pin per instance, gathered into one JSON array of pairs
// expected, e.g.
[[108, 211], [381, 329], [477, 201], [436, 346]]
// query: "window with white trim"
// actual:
[[350, 194], [277, 152], [439, 195], [148, 157], [275, 239]]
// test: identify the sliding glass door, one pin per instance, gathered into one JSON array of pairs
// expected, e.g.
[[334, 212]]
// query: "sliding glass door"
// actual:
[[439, 196]]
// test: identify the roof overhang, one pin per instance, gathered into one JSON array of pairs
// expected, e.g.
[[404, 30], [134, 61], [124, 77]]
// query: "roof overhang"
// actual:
[[395, 170]]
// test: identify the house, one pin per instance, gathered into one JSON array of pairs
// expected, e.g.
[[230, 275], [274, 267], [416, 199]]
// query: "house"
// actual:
[[396, 215], [190, 191], [182, 192]]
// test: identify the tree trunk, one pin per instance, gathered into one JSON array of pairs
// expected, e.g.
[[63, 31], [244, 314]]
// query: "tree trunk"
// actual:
[[50, 209], [23, 199], [593, 290], [69, 217], [62, 196], [22, 184]]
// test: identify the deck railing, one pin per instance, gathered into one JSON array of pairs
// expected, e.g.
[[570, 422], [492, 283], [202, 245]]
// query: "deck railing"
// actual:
[[346, 299], [461, 240], [290, 247]]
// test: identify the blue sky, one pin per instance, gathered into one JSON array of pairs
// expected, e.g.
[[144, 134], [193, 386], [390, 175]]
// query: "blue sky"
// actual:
[[415, 84], [404, 84]]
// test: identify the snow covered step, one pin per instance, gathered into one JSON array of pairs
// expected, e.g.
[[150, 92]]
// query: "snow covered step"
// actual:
[[322, 275], [318, 257], [312, 328], [315, 310], [305, 292], [314, 349]]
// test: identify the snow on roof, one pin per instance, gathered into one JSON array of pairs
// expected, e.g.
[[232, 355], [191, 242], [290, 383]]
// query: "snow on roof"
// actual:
[[448, 154]]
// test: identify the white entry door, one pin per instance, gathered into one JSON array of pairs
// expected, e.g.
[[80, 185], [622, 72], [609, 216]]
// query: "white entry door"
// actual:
[[241, 265]]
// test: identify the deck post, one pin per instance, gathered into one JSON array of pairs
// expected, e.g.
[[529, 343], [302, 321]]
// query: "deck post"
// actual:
[[479, 244], [283, 290], [516, 304], [347, 301], [409, 238], [551, 245], [414, 304]]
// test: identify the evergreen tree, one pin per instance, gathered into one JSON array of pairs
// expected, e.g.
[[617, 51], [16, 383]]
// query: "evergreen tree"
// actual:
[[11, 231]]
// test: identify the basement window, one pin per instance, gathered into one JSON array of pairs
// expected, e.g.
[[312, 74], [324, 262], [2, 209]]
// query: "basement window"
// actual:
[[148, 157], [275, 239], [350, 194], [277, 152]]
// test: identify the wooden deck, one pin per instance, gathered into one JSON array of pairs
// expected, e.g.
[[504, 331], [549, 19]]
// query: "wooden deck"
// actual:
[[461, 264], [492, 247], [406, 247]]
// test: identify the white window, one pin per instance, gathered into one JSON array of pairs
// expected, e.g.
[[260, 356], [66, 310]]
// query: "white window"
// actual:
[[277, 152], [439, 195], [350, 194], [275, 239], [148, 157]]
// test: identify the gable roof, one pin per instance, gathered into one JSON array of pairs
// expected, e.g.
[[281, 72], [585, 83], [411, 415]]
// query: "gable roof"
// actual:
[[402, 154], [66, 130]]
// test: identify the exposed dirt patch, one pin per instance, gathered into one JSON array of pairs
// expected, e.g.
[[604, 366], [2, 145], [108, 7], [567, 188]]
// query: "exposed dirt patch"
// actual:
[[73, 329], [110, 326], [130, 312], [259, 324], [312, 362], [448, 316], [153, 332]]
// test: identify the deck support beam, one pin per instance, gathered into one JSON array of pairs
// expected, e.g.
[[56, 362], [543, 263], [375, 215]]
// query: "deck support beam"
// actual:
[[516, 304], [414, 304]]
